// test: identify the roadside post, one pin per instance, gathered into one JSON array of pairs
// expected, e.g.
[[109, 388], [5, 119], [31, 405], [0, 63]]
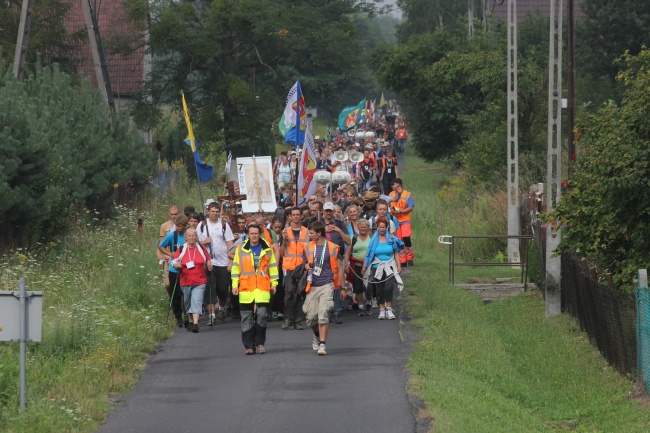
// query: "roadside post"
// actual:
[[643, 328], [21, 319]]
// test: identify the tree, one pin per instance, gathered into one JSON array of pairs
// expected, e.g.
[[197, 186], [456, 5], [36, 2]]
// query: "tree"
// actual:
[[609, 28], [49, 40], [604, 209], [62, 150], [237, 60]]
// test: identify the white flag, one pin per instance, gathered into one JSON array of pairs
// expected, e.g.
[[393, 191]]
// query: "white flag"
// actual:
[[306, 183]]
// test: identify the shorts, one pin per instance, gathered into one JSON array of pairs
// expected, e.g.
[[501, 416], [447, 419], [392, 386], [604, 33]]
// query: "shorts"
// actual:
[[193, 296], [318, 304]]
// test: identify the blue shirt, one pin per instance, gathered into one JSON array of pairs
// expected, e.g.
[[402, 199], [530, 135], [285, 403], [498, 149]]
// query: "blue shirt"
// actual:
[[256, 250], [168, 242], [384, 252]]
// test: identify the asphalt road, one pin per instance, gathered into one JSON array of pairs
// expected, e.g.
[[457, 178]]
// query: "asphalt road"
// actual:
[[204, 383]]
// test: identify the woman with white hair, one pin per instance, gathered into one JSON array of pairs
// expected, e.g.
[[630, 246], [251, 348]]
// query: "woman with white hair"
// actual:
[[191, 261]]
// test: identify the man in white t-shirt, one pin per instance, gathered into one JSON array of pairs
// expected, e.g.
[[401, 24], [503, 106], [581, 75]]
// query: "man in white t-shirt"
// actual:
[[218, 238]]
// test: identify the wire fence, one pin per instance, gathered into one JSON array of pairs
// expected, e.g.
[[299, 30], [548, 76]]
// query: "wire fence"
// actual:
[[607, 315]]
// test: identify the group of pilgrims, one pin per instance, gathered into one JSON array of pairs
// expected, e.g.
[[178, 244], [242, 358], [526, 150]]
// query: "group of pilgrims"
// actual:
[[340, 252]]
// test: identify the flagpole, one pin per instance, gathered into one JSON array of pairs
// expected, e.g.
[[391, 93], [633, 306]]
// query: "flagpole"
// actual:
[[193, 147], [298, 125], [196, 166]]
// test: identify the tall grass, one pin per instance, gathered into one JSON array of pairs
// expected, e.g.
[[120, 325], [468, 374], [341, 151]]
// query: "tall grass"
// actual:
[[104, 311], [499, 367]]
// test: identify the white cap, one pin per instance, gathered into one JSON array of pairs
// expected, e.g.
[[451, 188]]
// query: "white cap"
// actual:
[[208, 201], [328, 206], [317, 137], [357, 144]]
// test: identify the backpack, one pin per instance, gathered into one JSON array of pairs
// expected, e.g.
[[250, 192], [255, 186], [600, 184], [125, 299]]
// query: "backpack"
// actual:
[[366, 171], [204, 225]]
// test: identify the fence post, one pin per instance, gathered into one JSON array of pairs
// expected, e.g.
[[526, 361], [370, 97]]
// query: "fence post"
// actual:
[[643, 328]]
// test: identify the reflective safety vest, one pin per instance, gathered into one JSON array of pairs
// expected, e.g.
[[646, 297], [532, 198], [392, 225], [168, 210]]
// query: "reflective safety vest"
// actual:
[[268, 237], [400, 204], [254, 284], [334, 263], [293, 252]]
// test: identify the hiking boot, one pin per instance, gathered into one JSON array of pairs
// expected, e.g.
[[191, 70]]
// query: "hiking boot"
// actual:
[[298, 326], [338, 319], [195, 328], [261, 349], [249, 352], [322, 350], [382, 314], [280, 317], [179, 322], [368, 309], [211, 321], [390, 315], [221, 316], [287, 324], [187, 325], [315, 344]]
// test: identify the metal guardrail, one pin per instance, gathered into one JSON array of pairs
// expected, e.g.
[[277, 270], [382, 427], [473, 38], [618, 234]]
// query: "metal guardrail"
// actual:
[[523, 262]]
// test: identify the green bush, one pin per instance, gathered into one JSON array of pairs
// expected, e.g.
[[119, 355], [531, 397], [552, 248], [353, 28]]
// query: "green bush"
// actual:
[[62, 150], [604, 210]]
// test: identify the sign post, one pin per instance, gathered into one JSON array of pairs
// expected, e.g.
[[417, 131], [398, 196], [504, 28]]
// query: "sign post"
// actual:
[[21, 319]]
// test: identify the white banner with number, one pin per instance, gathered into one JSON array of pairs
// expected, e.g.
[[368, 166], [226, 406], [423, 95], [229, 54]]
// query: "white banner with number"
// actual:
[[256, 181]]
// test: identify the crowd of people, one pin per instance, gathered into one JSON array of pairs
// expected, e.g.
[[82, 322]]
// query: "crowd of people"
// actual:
[[342, 250]]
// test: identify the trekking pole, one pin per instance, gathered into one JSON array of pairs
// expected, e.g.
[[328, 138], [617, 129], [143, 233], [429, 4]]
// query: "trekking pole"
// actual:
[[171, 300]]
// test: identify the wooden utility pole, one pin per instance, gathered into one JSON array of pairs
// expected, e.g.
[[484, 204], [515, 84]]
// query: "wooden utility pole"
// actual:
[[23, 39], [97, 49]]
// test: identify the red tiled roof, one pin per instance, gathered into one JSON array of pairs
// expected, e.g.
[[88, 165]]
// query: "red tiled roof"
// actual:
[[526, 7], [126, 72]]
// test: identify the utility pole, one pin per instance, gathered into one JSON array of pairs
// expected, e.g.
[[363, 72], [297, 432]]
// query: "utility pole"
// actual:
[[554, 159], [513, 136], [97, 49], [470, 18], [23, 39], [571, 103]]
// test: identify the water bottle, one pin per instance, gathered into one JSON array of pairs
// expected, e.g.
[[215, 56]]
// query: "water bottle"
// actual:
[[309, 280]]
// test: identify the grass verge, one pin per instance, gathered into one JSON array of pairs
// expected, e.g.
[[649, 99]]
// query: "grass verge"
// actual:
[[104, 312], [500, 367]]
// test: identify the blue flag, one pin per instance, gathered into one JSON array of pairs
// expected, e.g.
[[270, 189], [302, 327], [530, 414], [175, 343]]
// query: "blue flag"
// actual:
[[294, 116], [203, 169]]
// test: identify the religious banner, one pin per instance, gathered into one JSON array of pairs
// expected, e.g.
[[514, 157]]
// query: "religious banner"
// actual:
[[256, 181]]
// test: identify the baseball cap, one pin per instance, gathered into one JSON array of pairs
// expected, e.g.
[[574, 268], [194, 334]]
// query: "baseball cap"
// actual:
[[357, 144], [368, 146], [328, 206], [208, 201], [317, 137]]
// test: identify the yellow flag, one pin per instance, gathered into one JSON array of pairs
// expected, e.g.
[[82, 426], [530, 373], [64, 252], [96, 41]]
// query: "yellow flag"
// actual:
[[382, 101], [190, 132]]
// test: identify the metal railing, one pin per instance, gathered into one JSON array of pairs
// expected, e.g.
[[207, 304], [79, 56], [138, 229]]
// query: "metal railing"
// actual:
[[522, 263]]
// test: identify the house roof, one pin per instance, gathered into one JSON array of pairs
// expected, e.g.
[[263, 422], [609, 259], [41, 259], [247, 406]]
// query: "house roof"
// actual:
[[126, 72]]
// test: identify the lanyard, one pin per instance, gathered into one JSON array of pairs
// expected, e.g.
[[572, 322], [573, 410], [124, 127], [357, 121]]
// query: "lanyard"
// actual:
[[189, 252], [322, 256]]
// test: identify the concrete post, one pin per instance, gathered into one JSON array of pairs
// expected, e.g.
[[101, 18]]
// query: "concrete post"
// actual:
[[554, 161], [513, 136]]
